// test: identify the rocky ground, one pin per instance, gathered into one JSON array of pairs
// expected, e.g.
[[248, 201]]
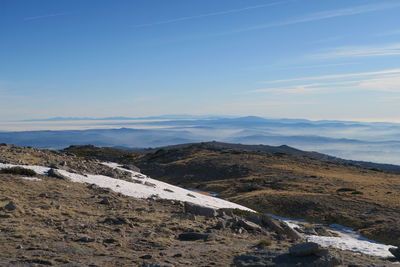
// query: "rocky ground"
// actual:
[[49, 221], [279, 183]]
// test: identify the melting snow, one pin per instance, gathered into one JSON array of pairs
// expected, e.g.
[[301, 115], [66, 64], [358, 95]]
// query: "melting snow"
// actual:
[[31, 178], [145, 187], [140, 187], [347, 239]]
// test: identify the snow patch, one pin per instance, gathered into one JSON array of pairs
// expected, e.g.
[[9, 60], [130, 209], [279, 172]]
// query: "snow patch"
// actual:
[[149, 187], [347, 239], [31, 178]]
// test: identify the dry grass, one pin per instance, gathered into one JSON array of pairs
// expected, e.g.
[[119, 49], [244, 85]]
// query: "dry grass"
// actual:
[[52, 214]]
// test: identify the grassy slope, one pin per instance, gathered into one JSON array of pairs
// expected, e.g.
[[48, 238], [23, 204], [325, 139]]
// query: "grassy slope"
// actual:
[[52, 214], [282, 184]]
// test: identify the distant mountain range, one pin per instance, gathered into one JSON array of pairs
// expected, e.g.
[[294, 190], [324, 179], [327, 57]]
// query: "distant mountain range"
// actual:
[[162, 117], [372, 142]]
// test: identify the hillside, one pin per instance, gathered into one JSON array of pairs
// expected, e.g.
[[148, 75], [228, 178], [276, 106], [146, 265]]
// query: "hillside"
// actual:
[[57, 209], [278, 180]]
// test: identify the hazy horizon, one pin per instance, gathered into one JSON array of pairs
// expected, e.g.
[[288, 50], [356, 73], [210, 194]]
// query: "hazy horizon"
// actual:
[[319, 60], [375, 142], [100, 66]]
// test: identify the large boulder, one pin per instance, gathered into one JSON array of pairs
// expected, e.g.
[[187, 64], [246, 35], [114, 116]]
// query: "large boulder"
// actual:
[[304, 249], [395, 252], [291, 233], [249, 226], [55, 174], [281, 228], [200, 210], [274, 257]]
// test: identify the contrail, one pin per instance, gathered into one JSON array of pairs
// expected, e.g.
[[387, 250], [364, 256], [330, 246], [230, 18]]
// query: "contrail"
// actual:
[[44, 16], [206, 15]]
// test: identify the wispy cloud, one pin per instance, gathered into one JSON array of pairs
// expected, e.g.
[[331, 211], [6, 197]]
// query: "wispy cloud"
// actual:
[[305, 87], [302, 66], [381, 81], [325, 15], [44, 16], [219, 13], [358, 51], [338, 76], [382, 84]]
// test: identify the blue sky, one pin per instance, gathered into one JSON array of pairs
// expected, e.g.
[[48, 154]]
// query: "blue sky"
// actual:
[[333, 59]]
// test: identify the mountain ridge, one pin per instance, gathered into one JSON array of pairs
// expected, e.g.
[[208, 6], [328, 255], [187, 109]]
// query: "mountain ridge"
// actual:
[[278, 180]]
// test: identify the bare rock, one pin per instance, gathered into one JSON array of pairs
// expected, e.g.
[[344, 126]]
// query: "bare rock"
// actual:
[[85, 239], [10, 206], [55, 174], [192, 236], [249, 226], [200, 210], [282, 228], [146, 257], [395, 252], [304, 249], [274, 257]]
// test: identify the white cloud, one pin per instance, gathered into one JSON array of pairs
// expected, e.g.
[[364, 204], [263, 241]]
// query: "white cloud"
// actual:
[[358, 51], [304, 88], [325, 15], [378, 81], [384, 84], [338, 76]]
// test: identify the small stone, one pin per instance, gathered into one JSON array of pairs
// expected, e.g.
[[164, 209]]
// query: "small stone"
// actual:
[[168, 190], [220, 225], [146, 257], [85, 239], [149, 184], [109, 240], [192, 236], [241, 230], [19, 247], [178, 255], [105, 201], [53, 166], [10, 206], [93, 186]]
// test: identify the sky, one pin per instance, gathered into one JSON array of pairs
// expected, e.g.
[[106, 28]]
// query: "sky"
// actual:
[[312, 59]]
